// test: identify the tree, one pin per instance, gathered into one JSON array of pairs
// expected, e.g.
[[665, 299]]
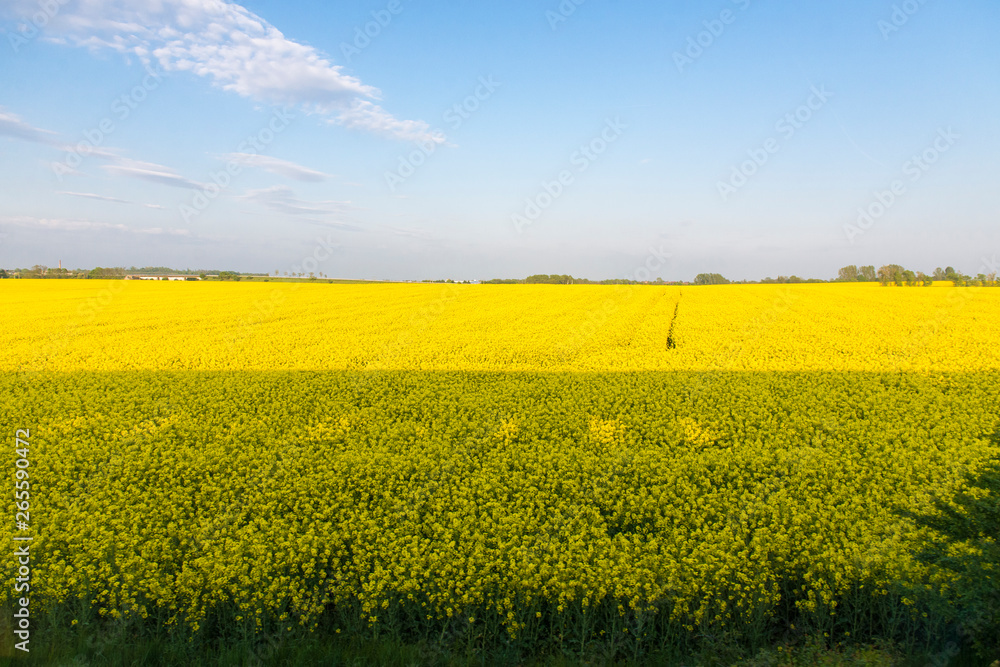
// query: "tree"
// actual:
[[4, 274], [868, 274], [891, 274], [710, 279], [848, 274], [940, 274], [554, 279]]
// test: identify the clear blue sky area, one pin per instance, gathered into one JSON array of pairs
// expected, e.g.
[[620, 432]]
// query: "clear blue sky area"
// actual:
[[399, 139]]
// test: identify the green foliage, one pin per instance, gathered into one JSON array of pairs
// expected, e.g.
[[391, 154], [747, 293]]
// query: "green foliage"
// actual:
[[96, 643], [891, 274], [848, 274], [106, 273], [894, 274], [852, 273], [554, 279], [710, 279], [781, 280]]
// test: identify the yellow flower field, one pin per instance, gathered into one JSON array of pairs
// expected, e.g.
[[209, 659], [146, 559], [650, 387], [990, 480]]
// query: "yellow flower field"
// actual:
[[118, 325], [436, 458]]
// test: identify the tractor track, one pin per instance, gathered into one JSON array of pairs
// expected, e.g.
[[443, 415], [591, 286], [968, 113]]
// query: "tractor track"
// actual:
[[671, 343]]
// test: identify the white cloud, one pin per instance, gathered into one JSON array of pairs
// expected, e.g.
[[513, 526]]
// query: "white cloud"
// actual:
[[281, 199], [83, 225], [232, 47], [367, 116], [116, 200], [149, 171], [276, 166], [89, 195], [12, 126]]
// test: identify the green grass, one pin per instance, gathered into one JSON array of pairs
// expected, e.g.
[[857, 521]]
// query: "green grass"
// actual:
[[118, 646]]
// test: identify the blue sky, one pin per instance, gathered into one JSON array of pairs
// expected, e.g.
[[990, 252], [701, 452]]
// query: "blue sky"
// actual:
[[498, 140]]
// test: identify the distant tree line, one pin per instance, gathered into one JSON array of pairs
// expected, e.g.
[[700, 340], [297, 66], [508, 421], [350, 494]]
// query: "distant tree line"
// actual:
[[889, 274], [562, 279], [894, 274], [40, 271], [782, 280]]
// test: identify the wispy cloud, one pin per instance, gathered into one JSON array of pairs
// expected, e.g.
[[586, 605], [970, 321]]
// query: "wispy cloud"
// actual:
[[90, 195], [116, 200], [282, 199], [84, 225], [232, 47], [12, 126], [148, 171], [277, 166]]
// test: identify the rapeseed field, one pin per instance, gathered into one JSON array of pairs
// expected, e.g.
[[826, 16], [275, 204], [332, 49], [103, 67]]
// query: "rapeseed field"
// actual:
[[507, 462]]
